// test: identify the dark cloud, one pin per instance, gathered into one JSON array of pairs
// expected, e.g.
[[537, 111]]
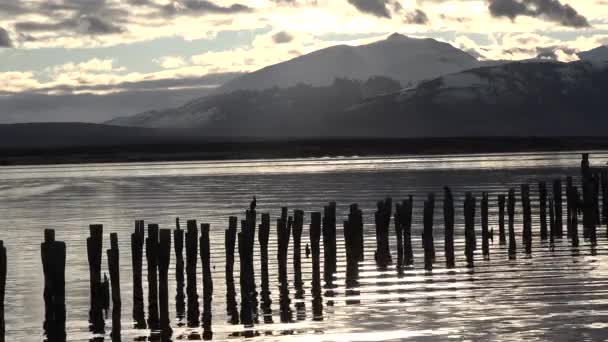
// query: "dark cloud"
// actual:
[[85, 24], [296, 2], [5, 40], [282, 37], [551, 10], [550, 52], [202, 7], [417, 17], [379, 8]]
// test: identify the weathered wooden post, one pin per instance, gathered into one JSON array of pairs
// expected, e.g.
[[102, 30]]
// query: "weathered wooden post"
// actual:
[[230, 242], [448, 220], [137, 245], [469, 226], [246, 309], [406, 217], [352, 258], [485, 232], [192, 313], [527, 218], [298, 226], [502, 239], [589, 215], [427, 235], [263, 236], [114, 268], [2, 289], [207, 282], [542, 195], [604, 177], [355, 219], [511, 214], [152, 249], [315, 236], [569, 187], [329, 243], [249, 227], [399, 234], [283, 234], [552, 230], [94, 252], [575, 200], [557, 198], [164, 259], [178, 243], [382, 220], [53, 254]]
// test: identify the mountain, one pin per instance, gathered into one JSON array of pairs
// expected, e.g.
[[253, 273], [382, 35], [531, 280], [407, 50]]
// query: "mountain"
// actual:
[[515, 99], [598, 55], [407, 60]]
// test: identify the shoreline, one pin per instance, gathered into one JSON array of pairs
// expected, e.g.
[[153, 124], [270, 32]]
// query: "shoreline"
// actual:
[[292, 148]]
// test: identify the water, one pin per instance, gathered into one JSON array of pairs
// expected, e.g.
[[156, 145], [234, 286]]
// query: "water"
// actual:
[[555, 295]]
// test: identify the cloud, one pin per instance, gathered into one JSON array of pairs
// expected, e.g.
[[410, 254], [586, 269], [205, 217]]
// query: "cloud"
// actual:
[[201, 7], [171, 62], [379, 8], [5, 40], [282, 37], [551, 10], [417, 17]]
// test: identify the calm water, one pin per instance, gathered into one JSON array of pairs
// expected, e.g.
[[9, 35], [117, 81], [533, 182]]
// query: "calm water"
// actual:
[[555, 295]]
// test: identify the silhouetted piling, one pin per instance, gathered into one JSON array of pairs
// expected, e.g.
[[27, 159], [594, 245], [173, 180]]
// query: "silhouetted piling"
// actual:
[[192, 313], [406, 219], [469, 229], [604, 183], [557, 201], [137, 245], [382, 220], [152, 250], [399, 234], [246, 306], [352, 260], [178, 245], [114, 268], [511, 213], [283, 234], [298, 225], [94, 253], [2, 289], [53, 255], [502, 238], [485, 231], [249, 226], [589, 208], [164, 259], [448, 221], [552, 230], [427, 235], [527, 218], [355, 219], [329, 243], [569, 199], [575, 203], [315, 236], [207, 282], [263, 237], [230, 242], [542, 197]]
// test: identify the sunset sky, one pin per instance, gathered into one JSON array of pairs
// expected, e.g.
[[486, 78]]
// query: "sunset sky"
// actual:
[[102, 46]]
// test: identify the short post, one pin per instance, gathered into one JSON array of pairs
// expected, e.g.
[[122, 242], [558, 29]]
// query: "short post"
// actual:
[[53, 255], [427, 236], [485, 231], [502, 238], [469, 229]]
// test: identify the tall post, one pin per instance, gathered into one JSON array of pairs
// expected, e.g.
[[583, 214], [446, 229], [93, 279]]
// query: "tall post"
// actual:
[[542, 193], [382, 221], [502, 238], [315, 236], [152, 258], [406, 217], [230, 242], [114, 267], [448, 219], [178, 243], [298, 225], [137, 245], [527, 215], [207, 282], [329, 243], [283, 234], [469, 226], [485, 232], [2, 289], [94, 252], [164, 259], [53, 255], [192, 314], [427, 236], [263, 236], [511, 214], [557, 198]]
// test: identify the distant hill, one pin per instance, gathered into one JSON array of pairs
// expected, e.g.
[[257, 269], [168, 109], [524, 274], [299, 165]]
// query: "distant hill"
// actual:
[[407, 60]]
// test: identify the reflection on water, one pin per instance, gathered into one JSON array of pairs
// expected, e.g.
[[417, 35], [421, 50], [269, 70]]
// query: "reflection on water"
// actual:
[[558, 294]]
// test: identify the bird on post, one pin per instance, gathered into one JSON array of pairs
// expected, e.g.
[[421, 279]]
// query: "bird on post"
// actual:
[[253, 203]]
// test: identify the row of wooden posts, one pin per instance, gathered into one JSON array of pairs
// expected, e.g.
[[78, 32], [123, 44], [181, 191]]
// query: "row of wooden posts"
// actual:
[[157, 253]]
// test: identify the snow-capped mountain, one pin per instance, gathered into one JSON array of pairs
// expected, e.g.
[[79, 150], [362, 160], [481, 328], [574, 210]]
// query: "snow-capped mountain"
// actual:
[[407, 60]]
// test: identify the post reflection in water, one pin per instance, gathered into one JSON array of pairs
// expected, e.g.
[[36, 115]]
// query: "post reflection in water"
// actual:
[[557, 293]]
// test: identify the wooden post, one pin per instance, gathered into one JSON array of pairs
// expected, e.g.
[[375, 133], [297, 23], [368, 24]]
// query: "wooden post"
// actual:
[[502, 239], [53, 254], [283, 233], [427, 235], [246, 309], [355, 219], [406, 217], [352, 258], [329, 243], [137, 245], [230, 242], [469, 226], [448, 220], [178, 243], [485, 232], [315, 236], [114, 268], [382, 220], [152, 249], [527, 218], [164, 259], [298, 225], [589, 206], [557, 198], [542, 193], [399, 234], [569, 186], [207, 282], [2, 289], [248, 227], [192, 313], [575, 200], [552, 229], [604, 177], [511, 213], [94, 252], [263, 236]]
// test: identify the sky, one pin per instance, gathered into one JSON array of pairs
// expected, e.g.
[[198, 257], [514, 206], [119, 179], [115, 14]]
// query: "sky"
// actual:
[[52, 50]]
